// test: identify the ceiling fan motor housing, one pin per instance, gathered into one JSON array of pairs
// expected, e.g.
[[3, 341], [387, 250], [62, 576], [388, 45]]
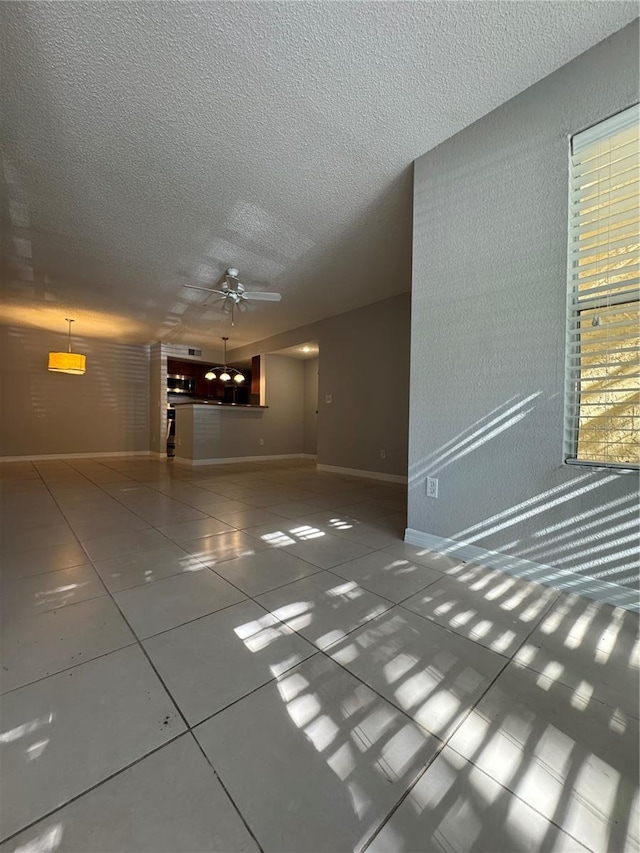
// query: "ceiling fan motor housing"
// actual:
[[236, 297]]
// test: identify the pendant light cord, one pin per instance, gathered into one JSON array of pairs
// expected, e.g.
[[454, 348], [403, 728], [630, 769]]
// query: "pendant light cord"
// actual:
[[69, 322]]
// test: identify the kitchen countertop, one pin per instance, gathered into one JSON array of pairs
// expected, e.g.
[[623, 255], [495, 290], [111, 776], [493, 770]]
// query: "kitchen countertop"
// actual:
[[217, 404]]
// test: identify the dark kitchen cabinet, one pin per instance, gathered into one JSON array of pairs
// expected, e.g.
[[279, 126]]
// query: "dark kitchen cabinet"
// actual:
[[214, 389]]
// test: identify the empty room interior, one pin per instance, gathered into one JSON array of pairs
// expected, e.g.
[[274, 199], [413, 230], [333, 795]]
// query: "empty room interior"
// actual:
[[320, 427]]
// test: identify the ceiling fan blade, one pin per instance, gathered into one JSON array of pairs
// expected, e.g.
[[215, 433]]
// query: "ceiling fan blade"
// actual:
[[263, 296], [206, 289]]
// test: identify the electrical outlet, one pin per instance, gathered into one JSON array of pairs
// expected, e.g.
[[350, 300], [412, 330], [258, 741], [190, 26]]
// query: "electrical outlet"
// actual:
[[432, 487], [328, 398], [383, 454], [261, 442]]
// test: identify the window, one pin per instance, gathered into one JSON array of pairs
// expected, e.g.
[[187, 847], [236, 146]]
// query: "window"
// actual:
[[602, 400]]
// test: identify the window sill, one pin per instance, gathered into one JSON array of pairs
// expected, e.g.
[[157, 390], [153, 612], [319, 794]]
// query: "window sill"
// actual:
[[615, 467]]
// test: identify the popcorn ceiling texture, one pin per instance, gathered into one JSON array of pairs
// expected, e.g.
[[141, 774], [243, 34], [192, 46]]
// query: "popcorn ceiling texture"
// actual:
[[151, 144]]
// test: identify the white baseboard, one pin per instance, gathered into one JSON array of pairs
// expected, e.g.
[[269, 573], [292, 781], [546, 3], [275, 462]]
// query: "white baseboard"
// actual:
[[96, 455], [357, 472], [229, 460], [564, 579]]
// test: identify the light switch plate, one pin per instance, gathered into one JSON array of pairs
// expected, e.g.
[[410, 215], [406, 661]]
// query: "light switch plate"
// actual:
[[328, 398]]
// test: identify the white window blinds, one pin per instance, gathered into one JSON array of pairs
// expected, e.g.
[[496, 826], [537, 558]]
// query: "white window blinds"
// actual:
[[602, 400]]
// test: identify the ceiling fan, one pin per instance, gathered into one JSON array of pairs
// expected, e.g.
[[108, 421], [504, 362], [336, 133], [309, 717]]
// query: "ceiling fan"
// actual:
[[234, 295]]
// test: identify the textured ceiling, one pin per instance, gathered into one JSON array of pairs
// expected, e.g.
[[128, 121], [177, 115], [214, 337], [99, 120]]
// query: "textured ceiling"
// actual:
[[146, 145]]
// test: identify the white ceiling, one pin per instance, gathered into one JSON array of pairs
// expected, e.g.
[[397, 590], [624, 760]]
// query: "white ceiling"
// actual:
[[146, 145]]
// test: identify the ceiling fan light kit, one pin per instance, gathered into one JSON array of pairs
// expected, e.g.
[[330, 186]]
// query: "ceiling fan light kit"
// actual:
[[234, 295], [224, 371], [67, 362]]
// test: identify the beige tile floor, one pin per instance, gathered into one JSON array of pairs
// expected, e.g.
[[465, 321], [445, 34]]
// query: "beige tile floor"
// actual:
[[248, 657]]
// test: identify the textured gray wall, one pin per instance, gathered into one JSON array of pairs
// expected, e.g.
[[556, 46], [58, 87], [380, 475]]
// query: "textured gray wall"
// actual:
[[364, 360], [283, 422], [104, 411], [364, 366], [158, 398], [187, 444], [218, 432], [488, 327], [310, 426]]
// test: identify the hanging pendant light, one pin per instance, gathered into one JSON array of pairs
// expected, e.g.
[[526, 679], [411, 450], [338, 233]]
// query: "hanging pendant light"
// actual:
[[67, 362], [225, 372]]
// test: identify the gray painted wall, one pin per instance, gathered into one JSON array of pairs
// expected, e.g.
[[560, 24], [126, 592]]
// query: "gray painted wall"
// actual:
[[217, 432], [283, 422], [364, 360], [104, 411], [158, 398], [364, 366], [310, 425], [488, 327]]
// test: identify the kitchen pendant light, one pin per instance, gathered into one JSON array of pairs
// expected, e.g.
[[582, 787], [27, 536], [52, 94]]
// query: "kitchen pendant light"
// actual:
[[67, 362], [225, 375]]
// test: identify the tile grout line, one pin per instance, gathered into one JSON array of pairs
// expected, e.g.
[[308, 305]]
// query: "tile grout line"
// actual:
[[225, 789], [207, 515], [178, 709], [92, 563], [140, 642], [217, 469], [88, 790], [322, 651], [180, 545], [188, 483], [325, 653], [67, 668], [171, 698], [466, 716]]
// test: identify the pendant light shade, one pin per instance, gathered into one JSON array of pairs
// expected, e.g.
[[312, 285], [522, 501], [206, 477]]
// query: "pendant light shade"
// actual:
[[67, 362], [225, 374]]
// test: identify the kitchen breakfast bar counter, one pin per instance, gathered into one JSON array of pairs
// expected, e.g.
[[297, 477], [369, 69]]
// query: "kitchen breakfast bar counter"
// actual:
[[209, 432]]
